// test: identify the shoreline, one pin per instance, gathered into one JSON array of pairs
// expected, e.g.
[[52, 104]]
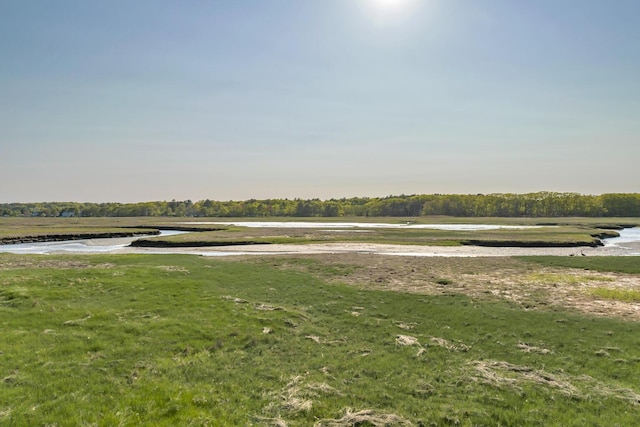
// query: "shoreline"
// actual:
[[123, 243], [63, 237], [387, 249]]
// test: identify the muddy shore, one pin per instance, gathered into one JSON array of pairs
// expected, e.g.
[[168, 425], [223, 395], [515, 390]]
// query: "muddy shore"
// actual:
[[73, 236], [397, 250]]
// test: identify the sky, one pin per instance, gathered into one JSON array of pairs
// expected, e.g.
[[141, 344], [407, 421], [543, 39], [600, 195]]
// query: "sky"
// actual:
[[128, 101]]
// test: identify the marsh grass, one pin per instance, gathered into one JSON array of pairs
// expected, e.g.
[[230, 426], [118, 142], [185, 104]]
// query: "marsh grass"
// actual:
[[626, 295], [566, 235], [570, 279], [184, 340], [75, 228], [567, 231], [614, 264]]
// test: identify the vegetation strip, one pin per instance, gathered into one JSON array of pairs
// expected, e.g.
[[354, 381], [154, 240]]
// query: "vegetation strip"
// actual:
[[193, 244], [74, 236], [531, 243], [541, 204], [630, 265]]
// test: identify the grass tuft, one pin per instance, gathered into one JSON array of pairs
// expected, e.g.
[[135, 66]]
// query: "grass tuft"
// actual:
[[613, 264], [625, 295]]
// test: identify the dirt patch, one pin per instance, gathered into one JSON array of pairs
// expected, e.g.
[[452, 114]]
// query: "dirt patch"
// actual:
[[529, 285]]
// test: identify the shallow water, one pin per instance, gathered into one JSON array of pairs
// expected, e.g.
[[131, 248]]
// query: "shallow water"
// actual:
[[629, 241], [627, 235], [627, 244], [108, 245], [364, 225]]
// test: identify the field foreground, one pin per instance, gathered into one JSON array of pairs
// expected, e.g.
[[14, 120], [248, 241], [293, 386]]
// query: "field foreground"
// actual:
[[326, 340]]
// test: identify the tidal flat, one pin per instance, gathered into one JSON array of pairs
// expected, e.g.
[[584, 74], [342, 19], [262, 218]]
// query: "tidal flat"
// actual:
[[424, 236]]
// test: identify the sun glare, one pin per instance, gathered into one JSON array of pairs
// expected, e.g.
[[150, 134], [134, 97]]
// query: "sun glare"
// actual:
[[389, 12], [390, 5]]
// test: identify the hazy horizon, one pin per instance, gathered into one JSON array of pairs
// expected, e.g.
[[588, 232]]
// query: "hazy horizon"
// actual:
[[159, 100]]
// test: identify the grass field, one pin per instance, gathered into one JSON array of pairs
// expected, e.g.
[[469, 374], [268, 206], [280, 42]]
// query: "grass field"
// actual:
[[317, 340], [613, 264], [569, 235]]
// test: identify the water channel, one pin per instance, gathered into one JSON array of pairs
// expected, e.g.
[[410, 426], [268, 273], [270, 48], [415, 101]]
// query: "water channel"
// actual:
[[628, 244]]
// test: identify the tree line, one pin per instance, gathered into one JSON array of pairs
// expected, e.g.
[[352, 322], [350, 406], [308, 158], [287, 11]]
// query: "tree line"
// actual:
[[541, 204]]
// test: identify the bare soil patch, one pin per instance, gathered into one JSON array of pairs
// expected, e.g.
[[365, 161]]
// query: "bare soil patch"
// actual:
[[529, 285]]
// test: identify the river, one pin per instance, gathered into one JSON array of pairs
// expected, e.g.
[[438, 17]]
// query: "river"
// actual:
[[628, 244]]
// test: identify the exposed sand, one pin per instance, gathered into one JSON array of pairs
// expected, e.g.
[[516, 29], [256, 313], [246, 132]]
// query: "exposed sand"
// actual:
[[384, 249]]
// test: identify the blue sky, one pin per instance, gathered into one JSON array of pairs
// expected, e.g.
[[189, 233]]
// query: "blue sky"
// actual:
[[157, 100]]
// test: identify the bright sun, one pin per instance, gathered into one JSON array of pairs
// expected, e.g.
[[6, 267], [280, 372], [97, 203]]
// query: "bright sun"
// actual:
[[391, 12], [390, 5]]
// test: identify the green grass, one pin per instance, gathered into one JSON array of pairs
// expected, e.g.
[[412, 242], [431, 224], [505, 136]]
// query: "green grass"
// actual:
[[626, 295], [614, 264], [42, 227], [183, 340], [566, 235], [10, 236], [571, 279]]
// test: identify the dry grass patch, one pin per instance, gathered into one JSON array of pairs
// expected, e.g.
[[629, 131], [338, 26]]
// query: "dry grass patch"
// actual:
[[406, 340], [506, 375], [314, 338], [76, 322], [526, 348], [17, 262], [173, 268], [256, 305], [529, 285], [406, 325], [441, 342], [297, 395], [364, 417]]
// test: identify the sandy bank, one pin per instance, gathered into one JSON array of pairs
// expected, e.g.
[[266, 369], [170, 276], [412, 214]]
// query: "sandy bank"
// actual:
[[384, 249]]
